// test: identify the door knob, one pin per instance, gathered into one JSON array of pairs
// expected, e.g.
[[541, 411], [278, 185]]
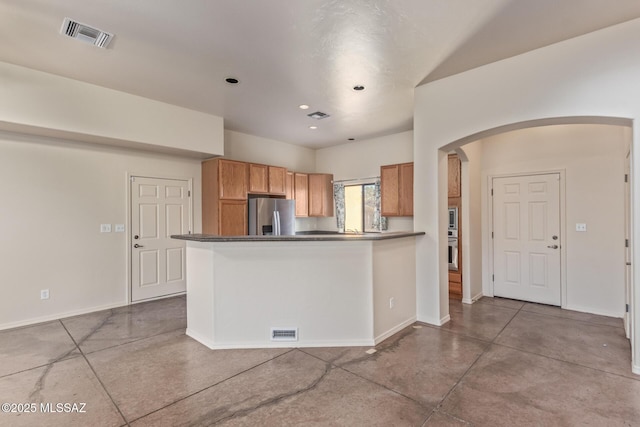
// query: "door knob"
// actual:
[[138, 246], [553, 247]]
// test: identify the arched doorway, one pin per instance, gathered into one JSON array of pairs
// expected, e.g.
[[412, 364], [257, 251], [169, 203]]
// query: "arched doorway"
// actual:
[[593, 157]]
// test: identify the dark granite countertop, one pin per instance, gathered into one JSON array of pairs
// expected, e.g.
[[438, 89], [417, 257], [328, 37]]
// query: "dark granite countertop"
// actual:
[[312, 236]]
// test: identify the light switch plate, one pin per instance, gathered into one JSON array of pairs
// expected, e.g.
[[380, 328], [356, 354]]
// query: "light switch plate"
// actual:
[[119, 228], [581, 227], [105, 228]]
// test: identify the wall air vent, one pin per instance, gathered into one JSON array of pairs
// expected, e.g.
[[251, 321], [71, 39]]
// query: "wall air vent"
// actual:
[[85, 33], [284, 334], [318, 115]]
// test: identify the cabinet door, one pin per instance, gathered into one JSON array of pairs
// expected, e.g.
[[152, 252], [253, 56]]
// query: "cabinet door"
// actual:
[[320, 194], [288, 186], [301, 191], [455, 283], [232, 180], [258, 178], [232, 217], [277, 178], [454, 176], [406, 189], [389, 190]]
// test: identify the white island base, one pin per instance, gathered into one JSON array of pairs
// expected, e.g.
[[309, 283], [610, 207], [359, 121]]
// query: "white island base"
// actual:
[[331, 293]]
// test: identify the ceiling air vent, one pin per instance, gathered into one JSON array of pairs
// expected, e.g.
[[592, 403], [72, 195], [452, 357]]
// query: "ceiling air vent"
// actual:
[[85, 33], [318, 115]]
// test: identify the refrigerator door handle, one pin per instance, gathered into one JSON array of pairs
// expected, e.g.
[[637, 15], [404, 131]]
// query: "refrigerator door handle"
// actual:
[[276, 223]]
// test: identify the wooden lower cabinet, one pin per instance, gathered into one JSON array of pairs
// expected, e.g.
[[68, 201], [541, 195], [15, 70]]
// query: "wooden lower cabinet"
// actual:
[[232, 220], [455, 284]]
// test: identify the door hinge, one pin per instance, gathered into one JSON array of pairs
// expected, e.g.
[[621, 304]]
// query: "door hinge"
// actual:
[[492, 192], [626, 177], [493, 277], [627, 308], [188, 193], [626, 243], [492, 234]]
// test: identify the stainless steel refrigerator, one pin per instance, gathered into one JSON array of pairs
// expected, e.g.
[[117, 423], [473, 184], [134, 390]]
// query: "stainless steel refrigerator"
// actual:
[[272, 217]]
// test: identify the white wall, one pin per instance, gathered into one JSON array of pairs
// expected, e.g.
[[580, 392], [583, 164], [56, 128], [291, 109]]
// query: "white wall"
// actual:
[[248, 148], [595, 75], [55, 195], [44, 104], [471, 242], [394, 276], [592, 157], [362, 159]]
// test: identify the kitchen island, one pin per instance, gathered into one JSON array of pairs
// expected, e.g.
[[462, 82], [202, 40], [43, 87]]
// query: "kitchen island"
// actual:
[[299, 291]]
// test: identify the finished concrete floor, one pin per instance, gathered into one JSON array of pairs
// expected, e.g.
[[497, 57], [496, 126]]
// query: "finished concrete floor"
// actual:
[[497, 362]]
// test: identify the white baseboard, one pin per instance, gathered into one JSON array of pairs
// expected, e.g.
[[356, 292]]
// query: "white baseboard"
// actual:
[[444, 320], [394, 330], [200, 338], [434, 321], [275, 344], [635, 369], [619, 315], [59, 316]]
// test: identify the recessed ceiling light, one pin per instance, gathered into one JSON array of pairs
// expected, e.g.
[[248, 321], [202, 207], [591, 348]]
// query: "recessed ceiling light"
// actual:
[[313, 127], [232, 80], [304, 107], [358, 87]]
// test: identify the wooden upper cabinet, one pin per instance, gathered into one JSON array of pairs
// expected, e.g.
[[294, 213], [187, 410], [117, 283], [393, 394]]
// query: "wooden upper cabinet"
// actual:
[[277, 180], [232, 179], [406, 189], [301, 192], [264, 179], [454, 176], [320, 194], [389, 186], [258, 178], [288, 186], [396, 188]]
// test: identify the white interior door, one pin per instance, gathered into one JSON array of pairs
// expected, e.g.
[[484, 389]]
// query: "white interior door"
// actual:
[[526, 243], [159, 208]]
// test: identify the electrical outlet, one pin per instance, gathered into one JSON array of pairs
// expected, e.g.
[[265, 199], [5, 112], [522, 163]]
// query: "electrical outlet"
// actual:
[[44, 294], [105, 228], [581, 227], [392, 302], [119, 228]]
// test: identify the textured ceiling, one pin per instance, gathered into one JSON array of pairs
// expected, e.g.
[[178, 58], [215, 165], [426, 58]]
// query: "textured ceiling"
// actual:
[[291, 52]]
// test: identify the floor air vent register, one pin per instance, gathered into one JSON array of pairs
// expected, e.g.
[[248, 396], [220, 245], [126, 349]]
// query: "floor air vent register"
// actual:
[[284, 334]]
